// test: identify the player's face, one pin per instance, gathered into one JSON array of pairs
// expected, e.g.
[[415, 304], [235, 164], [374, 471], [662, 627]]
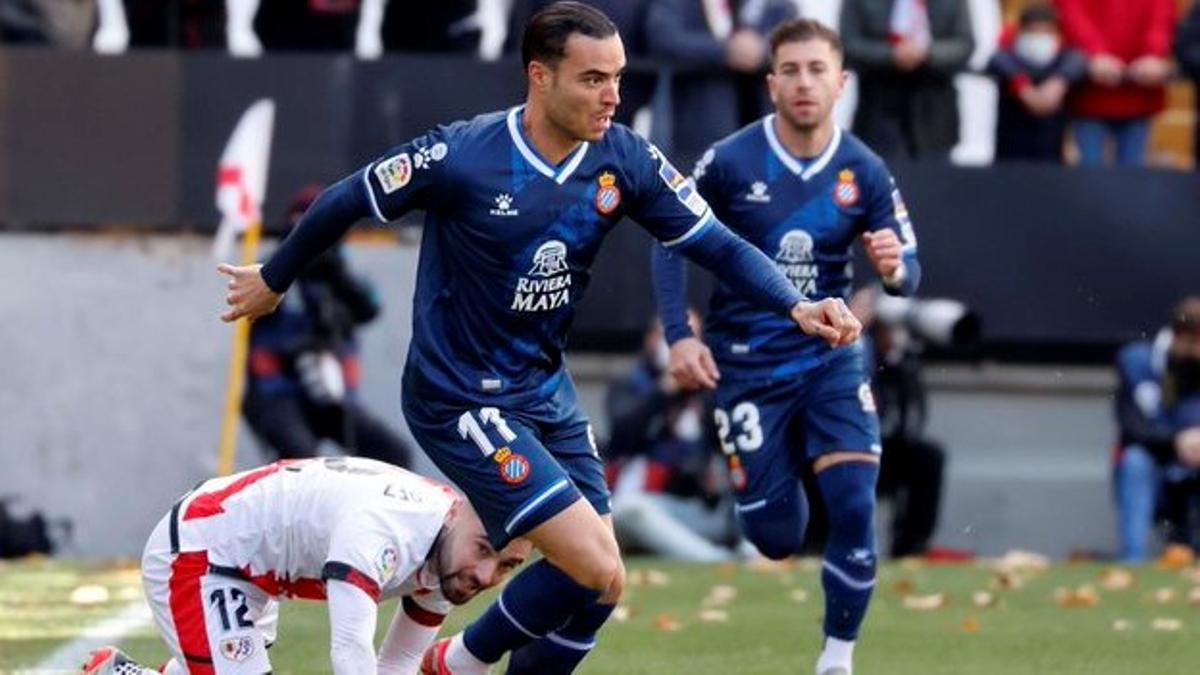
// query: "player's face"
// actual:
[[467, 563], [582, 92], [805, 81]]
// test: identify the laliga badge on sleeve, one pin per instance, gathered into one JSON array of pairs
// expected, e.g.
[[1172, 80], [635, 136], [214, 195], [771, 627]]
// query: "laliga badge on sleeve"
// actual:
[[394, 173]]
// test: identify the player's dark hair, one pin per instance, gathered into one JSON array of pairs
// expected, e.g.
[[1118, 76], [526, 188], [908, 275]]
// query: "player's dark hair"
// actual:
[[1037, 14], [546, 34], [803, 30], [1186, 316]]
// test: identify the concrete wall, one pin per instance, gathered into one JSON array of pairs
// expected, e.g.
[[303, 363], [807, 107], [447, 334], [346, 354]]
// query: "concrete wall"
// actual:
[[113, 367]]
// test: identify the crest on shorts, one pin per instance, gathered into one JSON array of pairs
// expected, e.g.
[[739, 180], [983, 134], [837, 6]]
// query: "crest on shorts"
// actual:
[[845, 193], [237, 649], [737, 475], [514, 468]]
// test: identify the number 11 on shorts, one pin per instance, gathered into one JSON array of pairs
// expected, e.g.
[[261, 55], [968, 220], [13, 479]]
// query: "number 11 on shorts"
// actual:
[[471, 429]]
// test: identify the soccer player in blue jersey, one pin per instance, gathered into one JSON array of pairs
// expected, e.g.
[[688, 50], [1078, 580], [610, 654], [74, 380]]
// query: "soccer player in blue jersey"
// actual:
[[517, 203], [802, 191]]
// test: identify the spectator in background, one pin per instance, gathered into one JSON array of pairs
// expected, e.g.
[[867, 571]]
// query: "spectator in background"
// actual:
[[709, 40], [670, 495], [906, 54], [1127, 43], [1034, 72], [188, 24], [1157, 406], [21, 22], [445, 26], [1187, 51], [303, 370], [629, 16]]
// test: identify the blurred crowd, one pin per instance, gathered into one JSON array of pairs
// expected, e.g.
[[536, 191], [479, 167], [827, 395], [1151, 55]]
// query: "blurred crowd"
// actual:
[[1078, 81]]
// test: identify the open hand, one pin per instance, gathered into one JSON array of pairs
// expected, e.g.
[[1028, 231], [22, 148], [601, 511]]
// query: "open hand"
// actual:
[[249, 296]]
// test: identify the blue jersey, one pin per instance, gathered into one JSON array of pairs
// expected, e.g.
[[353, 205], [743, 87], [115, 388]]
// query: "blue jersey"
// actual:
[[508, 243], [805, 215]]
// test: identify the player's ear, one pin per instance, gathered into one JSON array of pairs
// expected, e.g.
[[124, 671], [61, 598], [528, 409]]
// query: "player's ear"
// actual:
[[539, 75]]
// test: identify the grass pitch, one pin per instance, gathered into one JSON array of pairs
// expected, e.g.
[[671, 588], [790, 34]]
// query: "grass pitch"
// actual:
[[973, 619]]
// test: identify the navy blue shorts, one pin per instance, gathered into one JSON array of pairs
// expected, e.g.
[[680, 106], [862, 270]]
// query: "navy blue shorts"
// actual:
[[518, 467], [770, 430]]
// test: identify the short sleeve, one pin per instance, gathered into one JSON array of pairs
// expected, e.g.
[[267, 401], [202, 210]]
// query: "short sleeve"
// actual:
[[668, 204], [367, 552], [409, 176]]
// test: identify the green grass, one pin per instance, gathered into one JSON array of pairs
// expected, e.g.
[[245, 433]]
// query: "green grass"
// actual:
[[768, 629]]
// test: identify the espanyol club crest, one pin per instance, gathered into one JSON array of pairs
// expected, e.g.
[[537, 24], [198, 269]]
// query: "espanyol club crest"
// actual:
[[608, 196], [737, 475], [845, 193], [514, 468]]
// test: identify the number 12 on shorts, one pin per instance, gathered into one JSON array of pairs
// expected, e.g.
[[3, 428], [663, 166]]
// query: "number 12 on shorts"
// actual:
[[470, 428], [237, 600], [745, 415]]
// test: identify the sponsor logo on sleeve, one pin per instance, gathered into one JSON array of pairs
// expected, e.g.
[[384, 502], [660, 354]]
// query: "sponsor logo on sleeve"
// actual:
[[427, 156], [394, 173]]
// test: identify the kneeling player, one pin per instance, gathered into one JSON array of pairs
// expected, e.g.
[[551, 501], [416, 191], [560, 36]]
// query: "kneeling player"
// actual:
[[347, 530]]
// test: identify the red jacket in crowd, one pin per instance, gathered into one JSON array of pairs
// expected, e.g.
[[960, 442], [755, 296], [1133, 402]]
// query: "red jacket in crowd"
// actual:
[[1126, 29]]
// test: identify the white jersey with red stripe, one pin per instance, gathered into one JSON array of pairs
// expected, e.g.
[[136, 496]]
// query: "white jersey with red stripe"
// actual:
[[288, 526]]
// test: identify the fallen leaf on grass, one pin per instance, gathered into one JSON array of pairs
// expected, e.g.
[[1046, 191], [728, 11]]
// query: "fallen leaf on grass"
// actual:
[[924, 603], [1116, 579], [970, 625], [621, 613], [1194, 597], [983, 599], [903, 586], [1166, 625], [1122, 625], [1176, 557], [666, 623], [719, 595], [1084, 596], [714, 615], [1163, 596], [89, 595]]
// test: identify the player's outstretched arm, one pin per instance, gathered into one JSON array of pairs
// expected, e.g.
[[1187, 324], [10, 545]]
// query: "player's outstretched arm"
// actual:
[[352, 617], [691, 362], [255, 290], [754, 276]]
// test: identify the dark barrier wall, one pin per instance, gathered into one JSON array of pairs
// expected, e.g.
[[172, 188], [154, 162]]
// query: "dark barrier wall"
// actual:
[[1046, 255]]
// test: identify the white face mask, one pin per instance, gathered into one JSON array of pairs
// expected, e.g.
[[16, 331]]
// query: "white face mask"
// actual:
[[1037, 49]]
